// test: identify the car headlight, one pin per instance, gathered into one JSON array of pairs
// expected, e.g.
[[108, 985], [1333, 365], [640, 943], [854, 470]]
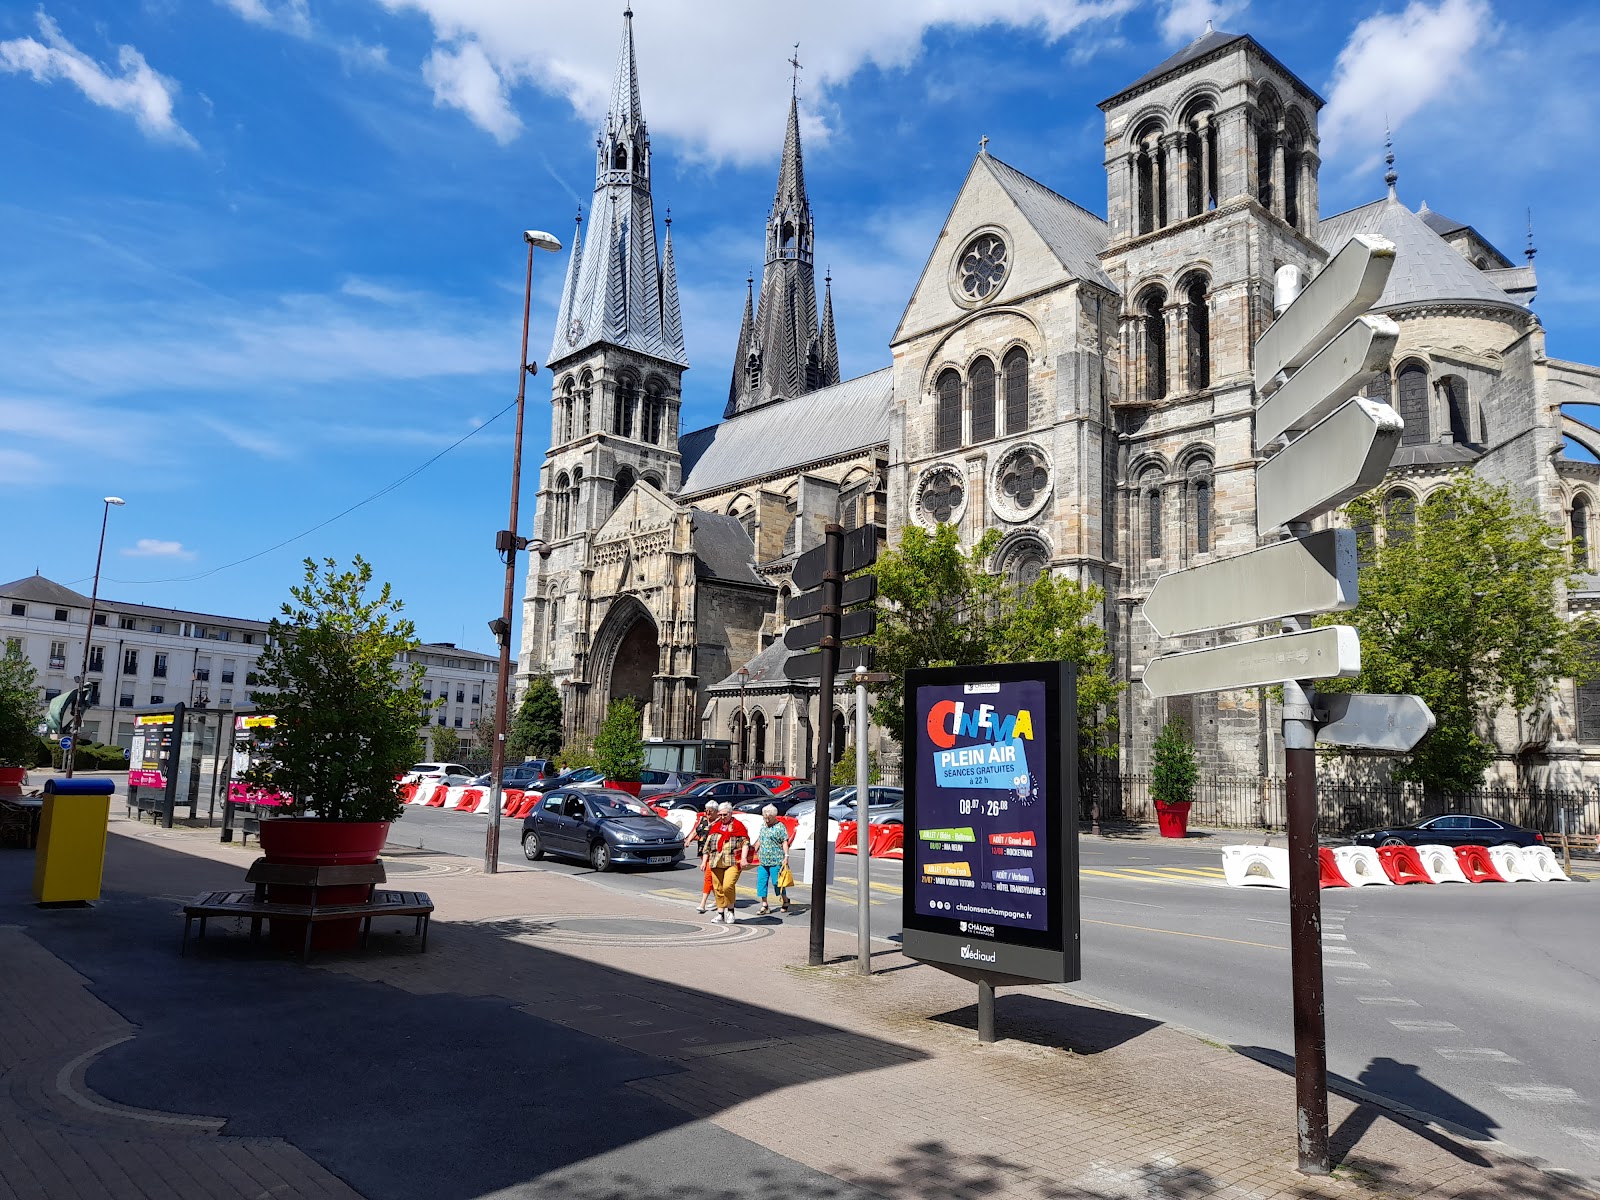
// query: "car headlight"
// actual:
[[625, 835]]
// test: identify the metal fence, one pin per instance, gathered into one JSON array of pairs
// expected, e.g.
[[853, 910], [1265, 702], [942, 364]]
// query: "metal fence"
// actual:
[[1343, 807]]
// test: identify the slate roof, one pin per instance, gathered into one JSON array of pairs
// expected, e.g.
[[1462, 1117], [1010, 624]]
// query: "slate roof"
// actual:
[[766, 670], [39, 590], [1075, 235], [1435, 454], [826, 423], [1426, 269], [43, 591], [722, 549], [1212, 41]]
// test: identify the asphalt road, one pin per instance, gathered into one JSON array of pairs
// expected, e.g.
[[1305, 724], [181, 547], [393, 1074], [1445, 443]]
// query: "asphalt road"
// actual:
[[1472, 1004]]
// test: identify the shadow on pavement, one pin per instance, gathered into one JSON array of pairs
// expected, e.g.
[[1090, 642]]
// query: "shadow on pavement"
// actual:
[[424, 1093], [1058, 1024]]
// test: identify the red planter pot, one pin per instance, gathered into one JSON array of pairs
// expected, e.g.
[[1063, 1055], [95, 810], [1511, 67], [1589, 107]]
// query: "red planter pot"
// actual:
[[1173, 819], [12, 778], [623, 786], [308, 842]]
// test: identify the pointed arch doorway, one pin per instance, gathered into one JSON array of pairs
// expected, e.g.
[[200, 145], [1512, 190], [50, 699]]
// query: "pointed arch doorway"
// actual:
[[629, 655]]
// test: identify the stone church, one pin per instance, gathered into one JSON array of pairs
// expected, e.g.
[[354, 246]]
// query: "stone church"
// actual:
[[1081, 383]]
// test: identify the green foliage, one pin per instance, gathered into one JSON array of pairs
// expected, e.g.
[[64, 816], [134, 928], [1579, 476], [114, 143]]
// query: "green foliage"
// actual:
[[619, 746], [86, 756], [844, 771], [1174, 770], [479, 743], [579, 752], [21, 710], [446, 744], [1464, 612], [942, 606], [346, 708], [536, 729]]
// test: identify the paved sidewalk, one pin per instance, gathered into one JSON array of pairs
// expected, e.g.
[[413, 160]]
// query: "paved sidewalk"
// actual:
[[563, 1039]]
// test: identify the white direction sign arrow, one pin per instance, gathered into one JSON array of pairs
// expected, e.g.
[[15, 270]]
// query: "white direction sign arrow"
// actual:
[[1341, 369], [1381, 724], [1350, 284], [1331, 652], [1312, 574], [1337, 459]]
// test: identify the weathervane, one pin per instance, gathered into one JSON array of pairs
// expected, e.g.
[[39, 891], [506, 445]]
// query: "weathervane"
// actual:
[[794, 61]]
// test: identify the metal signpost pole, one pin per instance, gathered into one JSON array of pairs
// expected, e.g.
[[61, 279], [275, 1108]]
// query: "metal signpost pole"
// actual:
[[71, 752], [863, 857], [832, 578]]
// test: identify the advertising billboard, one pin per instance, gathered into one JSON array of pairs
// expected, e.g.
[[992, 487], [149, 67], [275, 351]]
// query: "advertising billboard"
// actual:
[[151, 752], [991, 830]]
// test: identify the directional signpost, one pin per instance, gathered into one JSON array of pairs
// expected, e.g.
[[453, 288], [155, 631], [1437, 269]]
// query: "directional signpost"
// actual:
[[1321, 350]]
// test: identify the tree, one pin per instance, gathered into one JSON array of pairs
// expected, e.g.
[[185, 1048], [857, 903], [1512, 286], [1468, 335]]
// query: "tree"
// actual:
[[346, 706], [1462, 604], [446, 744], [536, 730], [480, 740], [844, 771], [619, 746], [942, 606], [21, 711], [1174, 769]]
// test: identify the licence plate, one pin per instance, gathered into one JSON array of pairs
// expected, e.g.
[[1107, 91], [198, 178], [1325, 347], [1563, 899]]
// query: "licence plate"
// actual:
[[662, 858]]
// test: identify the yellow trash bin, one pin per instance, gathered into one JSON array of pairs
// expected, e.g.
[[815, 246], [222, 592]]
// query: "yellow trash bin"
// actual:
[[71, 855]]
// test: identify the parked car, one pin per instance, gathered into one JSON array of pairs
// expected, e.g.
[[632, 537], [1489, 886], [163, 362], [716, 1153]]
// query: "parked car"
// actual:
[[655, 784], [522, 776], [569, 779], [604, 826], [778, 784], [449, 774], [784, 802], [735, 791], [842, 803], [1451, 829]]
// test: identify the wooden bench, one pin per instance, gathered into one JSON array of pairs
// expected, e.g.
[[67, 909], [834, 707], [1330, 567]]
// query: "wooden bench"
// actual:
[[1572, 845], [256, 905]]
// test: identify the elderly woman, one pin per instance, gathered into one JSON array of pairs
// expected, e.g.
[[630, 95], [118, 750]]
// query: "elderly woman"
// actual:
[[725, 849], [702, 827], [772, 853]]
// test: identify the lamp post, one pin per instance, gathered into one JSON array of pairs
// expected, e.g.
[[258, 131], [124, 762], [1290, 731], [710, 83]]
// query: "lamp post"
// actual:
[[508, 543], [88, 637], [744, 729]]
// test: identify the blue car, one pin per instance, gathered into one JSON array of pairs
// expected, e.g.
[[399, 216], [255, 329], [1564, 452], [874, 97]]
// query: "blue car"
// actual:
[[606, 827]]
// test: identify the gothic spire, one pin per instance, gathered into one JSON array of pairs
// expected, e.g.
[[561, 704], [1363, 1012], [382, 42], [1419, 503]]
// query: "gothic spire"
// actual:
[[741, 357], [625, 107], [830, 345], [671, 314], [791, 173]]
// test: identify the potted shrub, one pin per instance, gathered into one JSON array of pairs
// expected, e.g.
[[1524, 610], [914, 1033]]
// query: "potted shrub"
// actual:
[[21, 713], [1172, 779], [347, 711], [619, 746]]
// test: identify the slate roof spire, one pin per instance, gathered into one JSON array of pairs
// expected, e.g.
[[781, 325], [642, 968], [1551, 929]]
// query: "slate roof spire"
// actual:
[[620, 291]]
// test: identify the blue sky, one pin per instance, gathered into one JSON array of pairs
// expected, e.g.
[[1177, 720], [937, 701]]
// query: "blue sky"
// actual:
[[263, 257]]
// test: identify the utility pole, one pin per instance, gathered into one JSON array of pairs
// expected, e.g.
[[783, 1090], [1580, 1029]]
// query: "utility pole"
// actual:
[[832, 580]]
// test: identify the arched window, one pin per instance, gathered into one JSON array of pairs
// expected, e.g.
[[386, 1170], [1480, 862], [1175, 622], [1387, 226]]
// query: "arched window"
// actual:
[[741, 738], [1294, 151], [1580, 532], [758, 730], [1413, 389], [1147, 177], [1268, 122], [981, 380], [1015, 366], [563, 421], [624, 400], [1366, 542], [653, 480], [1200, 505], [586, 399], [947, 412], [838, 736], [1399, 516], [622, 486], [1455, 404], [787, 236], [561, 505], [1025, 563], [654, 411], [1150, 487], [1197, 313], [619, 160], [552, 628], [1153, 319], [1200, 148]]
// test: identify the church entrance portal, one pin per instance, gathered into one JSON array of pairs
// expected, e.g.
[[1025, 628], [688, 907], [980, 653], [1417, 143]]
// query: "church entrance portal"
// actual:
[[633, 668]]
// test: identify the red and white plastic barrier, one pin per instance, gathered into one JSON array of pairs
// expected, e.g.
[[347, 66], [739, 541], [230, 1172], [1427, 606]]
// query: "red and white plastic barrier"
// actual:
[[1256, 866], [1363, 866], [1360, 867], [1441, 864]]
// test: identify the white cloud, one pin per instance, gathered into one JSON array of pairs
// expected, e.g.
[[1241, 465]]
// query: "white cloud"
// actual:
[[289, 16], [696, 54], [155, 548], [1186, 20], [1394, 65], [142, 93]]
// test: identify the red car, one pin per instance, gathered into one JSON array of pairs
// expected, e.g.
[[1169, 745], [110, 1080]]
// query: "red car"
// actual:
[[778, 784]]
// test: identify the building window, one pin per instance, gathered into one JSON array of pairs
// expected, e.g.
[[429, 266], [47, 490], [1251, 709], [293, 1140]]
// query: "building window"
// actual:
[[160, 668], [625, 400], [655, 413], [563, 423], [202, 674], [1413, 389], [1197, 314], [476, 699], [124, 623], [58, 656], [981, 381], [1580, 532], [61, 614], [561, 505], [1455, 403], [159, 698], [1025, 563], [947, 413], [227, 677], [157, 627], [1153, 352], [586, 399], [248, 639], [100, 618], [982, 267], [1399, 516], [200, 631], [130, 662], [622, 486], [1150, 488], [125, 700], [758, 729], [1015, 366], [19, 610], [1200, 488], [97, 659], [838, 736], [14, 646]]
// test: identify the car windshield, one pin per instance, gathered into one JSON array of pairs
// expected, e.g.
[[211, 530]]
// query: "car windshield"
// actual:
[[612, 805], [700, 789], [424, 766]]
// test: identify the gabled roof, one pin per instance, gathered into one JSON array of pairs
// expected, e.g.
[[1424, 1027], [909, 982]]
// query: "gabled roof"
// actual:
[[1426, 268], [1211, 42], [766, 670], [722, 549], [43, 591], [774, 438], [1075, 235]]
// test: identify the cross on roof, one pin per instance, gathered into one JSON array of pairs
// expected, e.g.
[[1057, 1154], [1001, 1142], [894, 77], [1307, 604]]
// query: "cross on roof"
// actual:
[[794, 61], [983, 144]]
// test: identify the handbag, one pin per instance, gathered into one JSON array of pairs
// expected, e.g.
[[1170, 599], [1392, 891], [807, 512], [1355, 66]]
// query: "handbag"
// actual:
[[785, 878]]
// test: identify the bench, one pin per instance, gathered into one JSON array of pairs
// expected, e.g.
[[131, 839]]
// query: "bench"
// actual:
[[1572, 845], [256, 905], [154, 802]]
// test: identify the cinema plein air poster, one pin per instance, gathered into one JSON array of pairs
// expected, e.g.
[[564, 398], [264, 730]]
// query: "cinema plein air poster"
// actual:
[[982, 854]]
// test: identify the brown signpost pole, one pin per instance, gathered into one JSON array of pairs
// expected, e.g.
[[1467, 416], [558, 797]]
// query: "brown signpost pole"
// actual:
[[832, 581]]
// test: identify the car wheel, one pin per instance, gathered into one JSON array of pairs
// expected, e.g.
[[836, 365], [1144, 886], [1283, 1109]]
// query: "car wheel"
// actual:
[[600, 856], [1393, 841], [532, 846]]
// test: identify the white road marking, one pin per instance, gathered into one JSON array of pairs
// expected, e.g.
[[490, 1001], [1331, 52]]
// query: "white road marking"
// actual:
[[1426, 1026], [1541, 1095], [1333, 937], [1366, 982], [1473, 1053], [1118, 900], [1387, 1000], [1355, 966], [1337, 950], [1264, 921]]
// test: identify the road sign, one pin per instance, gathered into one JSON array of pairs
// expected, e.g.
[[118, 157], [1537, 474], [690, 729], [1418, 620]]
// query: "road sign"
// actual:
[[803, 637], [861, 547], [809, 666], [1305, 575], [1345, 288], [1377, 724], [1339, 371], [808, 568], [861, 590], [1331, 652], [859, 624], [1337, 459], [66, 743]]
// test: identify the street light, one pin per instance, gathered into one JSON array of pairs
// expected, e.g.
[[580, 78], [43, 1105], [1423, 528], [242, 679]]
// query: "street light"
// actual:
[[744, 729], [508, 543], [88, 637]]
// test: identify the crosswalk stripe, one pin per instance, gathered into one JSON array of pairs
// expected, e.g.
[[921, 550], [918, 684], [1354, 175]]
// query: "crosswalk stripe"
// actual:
[[1207, 872]]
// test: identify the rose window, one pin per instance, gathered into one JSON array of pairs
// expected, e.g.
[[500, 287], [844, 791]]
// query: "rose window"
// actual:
[[1023, 480], [982, 267], [942, 495]]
